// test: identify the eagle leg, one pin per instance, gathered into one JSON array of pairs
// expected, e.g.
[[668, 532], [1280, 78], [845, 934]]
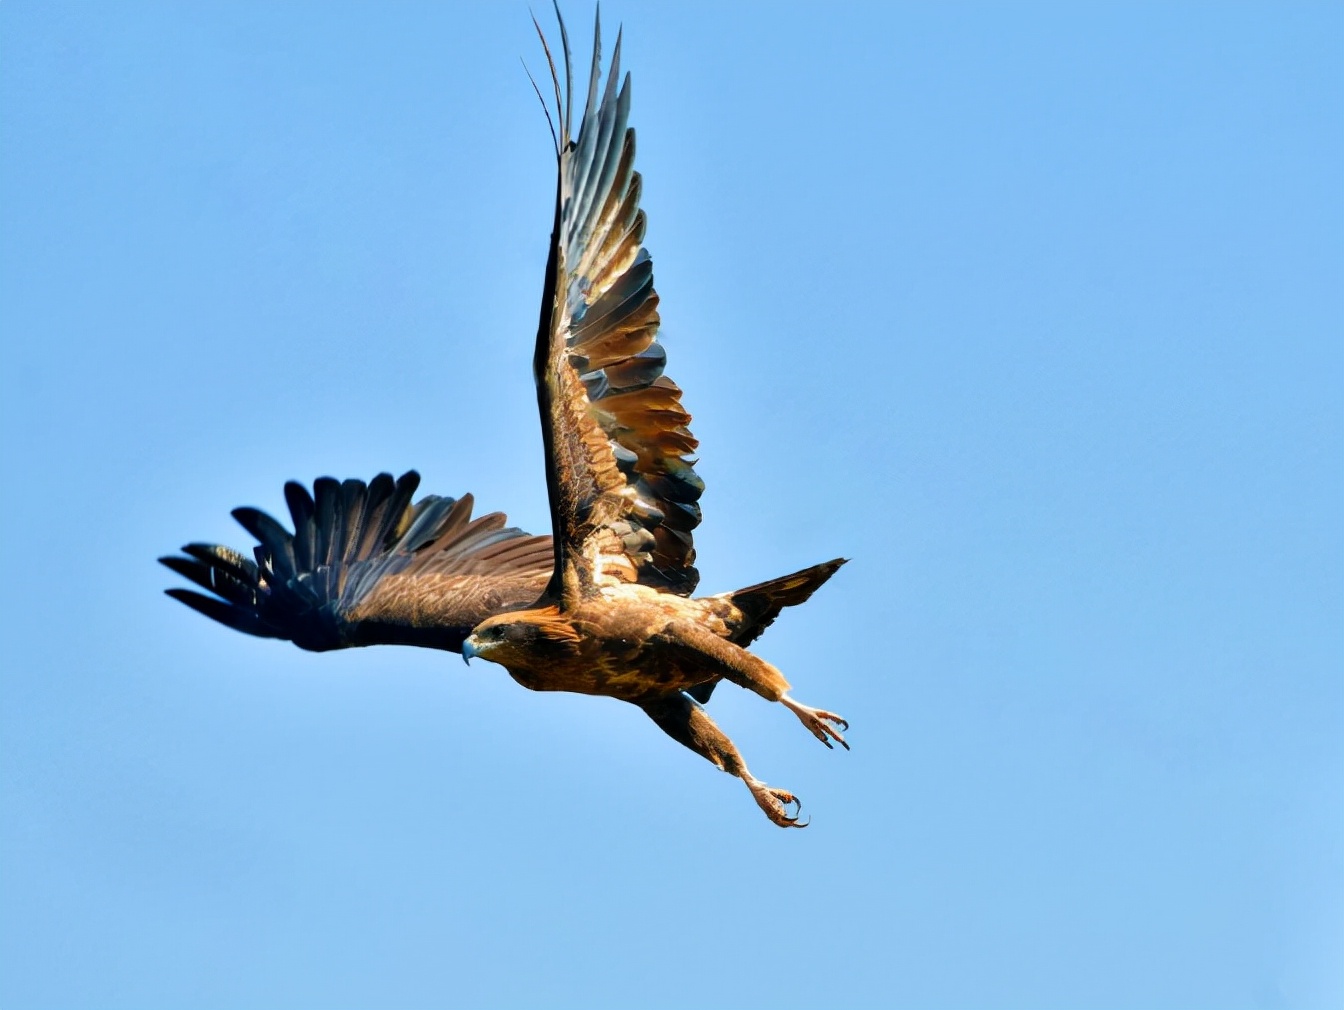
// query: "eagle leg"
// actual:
[[690, 725], [744, 669]]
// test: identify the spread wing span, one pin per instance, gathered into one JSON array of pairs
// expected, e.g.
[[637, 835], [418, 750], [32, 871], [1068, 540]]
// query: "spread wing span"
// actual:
[[624, 497], [365, 566]]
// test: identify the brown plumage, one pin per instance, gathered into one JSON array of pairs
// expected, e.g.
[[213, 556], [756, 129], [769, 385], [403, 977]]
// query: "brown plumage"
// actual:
[[603, 606]]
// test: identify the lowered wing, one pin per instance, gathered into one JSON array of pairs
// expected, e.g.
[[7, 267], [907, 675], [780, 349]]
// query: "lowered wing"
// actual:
[[623, 493], [366, 566]]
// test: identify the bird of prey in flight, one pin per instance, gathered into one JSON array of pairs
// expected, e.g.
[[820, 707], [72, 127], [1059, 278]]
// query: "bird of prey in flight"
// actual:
[[604, 605]]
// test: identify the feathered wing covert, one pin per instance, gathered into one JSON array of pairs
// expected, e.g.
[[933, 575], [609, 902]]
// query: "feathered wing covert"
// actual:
[[366, 566]]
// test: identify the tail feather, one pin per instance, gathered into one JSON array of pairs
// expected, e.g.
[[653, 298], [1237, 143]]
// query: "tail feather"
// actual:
[[761, 604]]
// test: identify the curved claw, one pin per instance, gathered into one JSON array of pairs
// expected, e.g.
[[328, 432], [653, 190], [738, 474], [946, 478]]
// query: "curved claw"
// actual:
[[836, 733]]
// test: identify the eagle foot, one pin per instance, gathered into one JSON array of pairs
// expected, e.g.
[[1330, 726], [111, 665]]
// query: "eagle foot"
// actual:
[[776, 803], [825, 726]]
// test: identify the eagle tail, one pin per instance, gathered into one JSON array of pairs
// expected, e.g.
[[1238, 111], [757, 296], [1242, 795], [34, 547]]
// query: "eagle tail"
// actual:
[[761, 604], [769, 598]]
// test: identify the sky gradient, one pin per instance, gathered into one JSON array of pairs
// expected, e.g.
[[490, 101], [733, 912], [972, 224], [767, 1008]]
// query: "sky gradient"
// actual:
[[1034, 313]]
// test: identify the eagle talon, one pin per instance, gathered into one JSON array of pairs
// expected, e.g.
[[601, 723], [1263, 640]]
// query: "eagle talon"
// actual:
[[776, 803], [820, 723]]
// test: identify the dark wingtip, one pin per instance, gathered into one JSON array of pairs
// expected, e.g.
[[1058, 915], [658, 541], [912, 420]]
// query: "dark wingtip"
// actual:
[[188, 597], [182, 566]]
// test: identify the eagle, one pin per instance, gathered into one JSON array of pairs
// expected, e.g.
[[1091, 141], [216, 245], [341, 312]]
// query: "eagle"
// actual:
[[605, 605]]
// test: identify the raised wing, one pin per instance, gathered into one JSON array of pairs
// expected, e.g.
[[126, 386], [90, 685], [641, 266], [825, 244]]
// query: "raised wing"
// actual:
[[623, 494], [365, 566]]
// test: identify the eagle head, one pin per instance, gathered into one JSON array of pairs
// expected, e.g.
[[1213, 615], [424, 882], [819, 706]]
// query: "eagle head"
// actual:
[[522, 639]]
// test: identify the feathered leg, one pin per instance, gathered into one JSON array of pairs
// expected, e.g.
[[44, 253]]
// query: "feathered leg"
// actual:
[[688, 724], [735, 663]]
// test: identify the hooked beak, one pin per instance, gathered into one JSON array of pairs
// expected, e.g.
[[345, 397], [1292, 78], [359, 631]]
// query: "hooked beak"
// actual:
[[469, 649]]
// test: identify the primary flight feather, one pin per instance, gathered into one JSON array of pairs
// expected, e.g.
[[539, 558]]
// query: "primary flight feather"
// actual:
[[603, 606]]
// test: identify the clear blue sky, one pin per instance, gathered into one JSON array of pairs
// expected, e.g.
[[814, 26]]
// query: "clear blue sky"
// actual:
[[1033, 312]]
